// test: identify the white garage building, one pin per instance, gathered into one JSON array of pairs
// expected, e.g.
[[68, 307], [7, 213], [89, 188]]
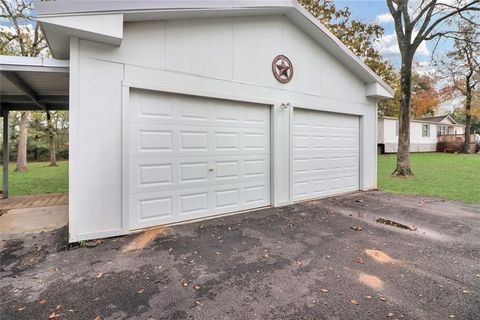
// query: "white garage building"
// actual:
[[182, 110]]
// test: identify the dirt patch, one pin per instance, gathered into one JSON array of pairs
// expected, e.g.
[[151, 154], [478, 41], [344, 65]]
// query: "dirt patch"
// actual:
[[144, 238], [371, 281], [379, 256]]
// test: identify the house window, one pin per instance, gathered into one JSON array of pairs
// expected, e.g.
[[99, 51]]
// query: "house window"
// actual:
[[426, 130], [442, 130]]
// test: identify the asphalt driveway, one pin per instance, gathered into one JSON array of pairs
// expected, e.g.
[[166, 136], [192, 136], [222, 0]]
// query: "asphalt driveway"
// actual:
[[326, 259]]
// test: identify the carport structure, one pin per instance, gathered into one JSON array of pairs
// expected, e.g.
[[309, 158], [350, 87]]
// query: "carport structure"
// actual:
[[30, 84]]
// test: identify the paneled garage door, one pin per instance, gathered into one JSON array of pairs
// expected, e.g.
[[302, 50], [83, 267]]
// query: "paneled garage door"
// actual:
[[325, 154], [192, 157]]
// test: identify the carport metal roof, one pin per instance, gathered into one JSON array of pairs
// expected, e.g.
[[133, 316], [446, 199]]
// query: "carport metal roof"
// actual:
[[29, 84]]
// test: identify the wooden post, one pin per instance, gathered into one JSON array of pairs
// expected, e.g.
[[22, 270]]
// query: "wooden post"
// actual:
[[5, 153]]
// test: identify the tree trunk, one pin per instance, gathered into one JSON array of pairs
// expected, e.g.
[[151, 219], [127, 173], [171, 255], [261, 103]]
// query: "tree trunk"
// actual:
[[468, 117], [53, 151], [51, 140], [22, 144], [403, 153]]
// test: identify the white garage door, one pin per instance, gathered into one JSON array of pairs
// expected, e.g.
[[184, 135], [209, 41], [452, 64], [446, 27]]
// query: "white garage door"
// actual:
[[325, 154], [192, 157]]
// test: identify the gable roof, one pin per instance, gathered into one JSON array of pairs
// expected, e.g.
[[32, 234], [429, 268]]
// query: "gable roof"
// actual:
[[438, 119], [102, 21]]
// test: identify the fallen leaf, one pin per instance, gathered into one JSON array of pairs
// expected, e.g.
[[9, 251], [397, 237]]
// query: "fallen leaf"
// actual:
[[383, 299], [54, 315], [43, 301], [353, 301], [185, 284], [58, 307], [466, 291], [368, 297], [140, 291], [197, 287], [20, 309], [96, 299], [324, 290], [360, 260], [218, 253], [99, 275], [98, 318], [451, 316], [390, 315], [356, 228]]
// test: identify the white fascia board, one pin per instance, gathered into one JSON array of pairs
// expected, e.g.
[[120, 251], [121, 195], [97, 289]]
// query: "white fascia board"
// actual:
[[18, 63], [45, 8], [375, 90], [105, 28], [420, 121]]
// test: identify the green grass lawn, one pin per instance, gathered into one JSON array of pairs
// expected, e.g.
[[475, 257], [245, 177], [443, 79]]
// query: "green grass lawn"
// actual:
[[449, 176], [39, 179]]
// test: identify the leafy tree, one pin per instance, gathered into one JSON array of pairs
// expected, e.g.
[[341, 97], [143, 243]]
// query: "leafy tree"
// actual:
[[461, 69], [415, 22], [459, 115], [425, 97], [21, 35]]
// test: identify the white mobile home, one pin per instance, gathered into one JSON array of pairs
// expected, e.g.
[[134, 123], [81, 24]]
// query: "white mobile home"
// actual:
[[182, 110], [424, 133]]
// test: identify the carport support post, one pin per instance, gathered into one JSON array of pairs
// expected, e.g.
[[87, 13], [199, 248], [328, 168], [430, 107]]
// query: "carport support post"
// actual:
[[5, 153]]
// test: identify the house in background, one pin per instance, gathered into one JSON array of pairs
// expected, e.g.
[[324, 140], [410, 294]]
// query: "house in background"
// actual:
[[424, 133]]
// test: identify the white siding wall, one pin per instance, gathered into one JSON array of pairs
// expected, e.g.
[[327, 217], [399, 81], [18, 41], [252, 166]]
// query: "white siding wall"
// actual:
[[228, 58], [457, 130], [418, 143], [381, 130]]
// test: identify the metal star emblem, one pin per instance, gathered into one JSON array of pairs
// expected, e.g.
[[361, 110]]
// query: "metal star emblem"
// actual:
[[282, 69]]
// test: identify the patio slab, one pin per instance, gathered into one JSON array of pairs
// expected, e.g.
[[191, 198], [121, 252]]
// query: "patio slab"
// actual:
[[38, 219]]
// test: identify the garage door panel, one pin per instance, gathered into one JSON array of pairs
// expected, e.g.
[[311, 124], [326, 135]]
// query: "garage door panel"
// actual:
[[174, 205], [325, 154], [196, 156], [158, 107], [152, 139], [150, 174]]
